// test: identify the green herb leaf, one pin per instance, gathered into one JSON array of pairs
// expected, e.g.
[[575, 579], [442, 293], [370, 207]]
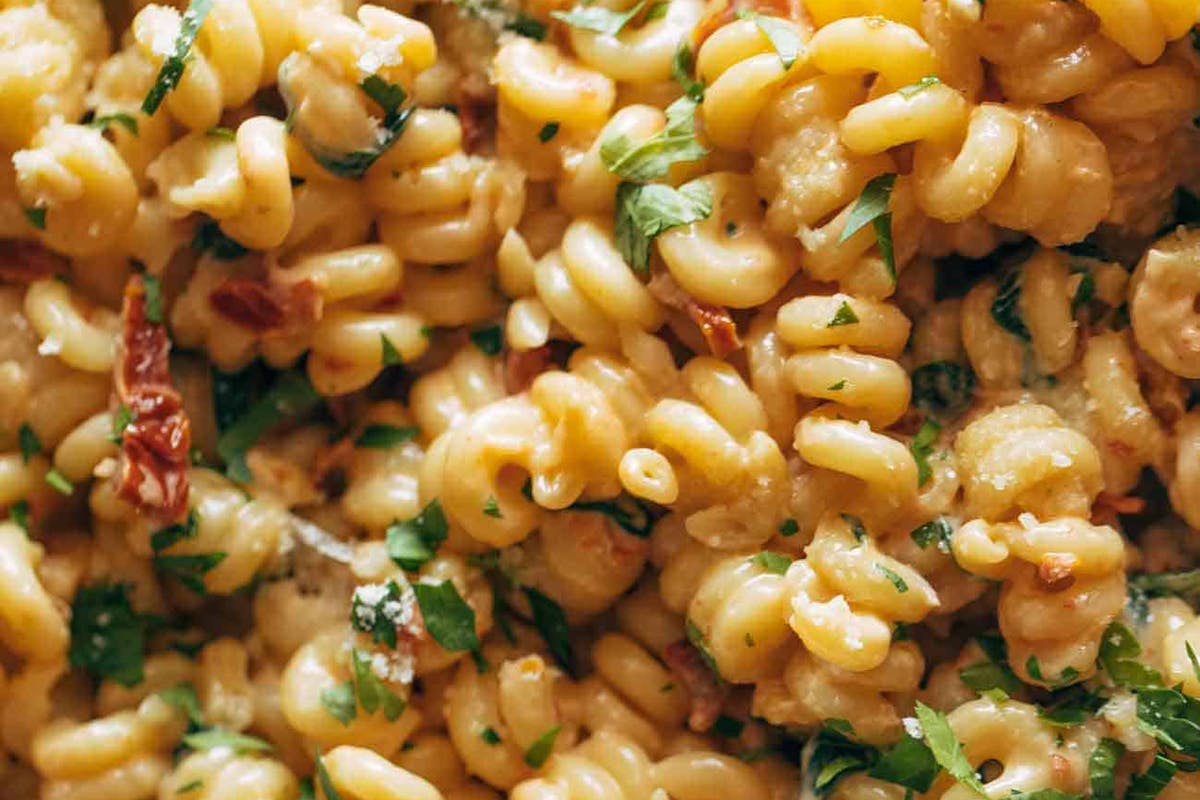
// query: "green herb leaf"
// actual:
[[385, 437], [1149, 784], [414, 542], [387, 96], [377, 611], [1067, 676], [1071, 707], [183, 696], [871, 204], [883, 238], [781, 35], [548, 132], [126, 121], [727, 727], [893, 577], [389, 355], [29, 442], [1171, 717], [339, 702], [1185, 585], [211, 240], [1191, 654], [777, 563], [682, 70], [492, 508], [59, 483], [1101, 765], [844, 316], [1119, 649], [985, 676], [290, 397], [629, 514], [789, 527], [1084, 291], [527, 26], [921, 448], [154, 305], [1006, 309], [121, 420], [373, 695], [355, 164], [936, 532], [908, 763], [18, 512], [696, 638], [856, 526], [163, 538], [190, 786], [652, 158], [643, 212], [551, 623], [944, 745], [540, 750], [490, 736], [221, 132], [172, 68], [598, 18], [326, 783], [835, 756], [189, 569], [218, 737], [448, 618], [107, 637], [36, 217], [943, 388], [489, 340], [914, 89]]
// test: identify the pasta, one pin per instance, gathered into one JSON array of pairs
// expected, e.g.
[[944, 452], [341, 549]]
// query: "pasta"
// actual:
[[660, 400]]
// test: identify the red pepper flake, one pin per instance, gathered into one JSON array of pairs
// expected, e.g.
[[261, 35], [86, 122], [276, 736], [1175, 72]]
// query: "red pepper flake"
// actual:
[[477, 116], [1108, 506], [153, 473], [266, 307]]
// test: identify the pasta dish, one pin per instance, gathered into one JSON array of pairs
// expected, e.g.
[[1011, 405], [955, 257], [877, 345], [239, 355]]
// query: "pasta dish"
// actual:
[[599, 399]]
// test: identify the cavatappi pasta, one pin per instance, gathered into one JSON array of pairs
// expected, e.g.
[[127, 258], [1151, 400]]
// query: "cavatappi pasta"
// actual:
[[659, 400]]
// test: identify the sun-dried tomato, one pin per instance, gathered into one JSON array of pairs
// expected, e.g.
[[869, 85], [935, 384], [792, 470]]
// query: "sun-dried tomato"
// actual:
[[522, 366], [153, 473], [265, 307], [717, 325], [688, 666], [24, 261]]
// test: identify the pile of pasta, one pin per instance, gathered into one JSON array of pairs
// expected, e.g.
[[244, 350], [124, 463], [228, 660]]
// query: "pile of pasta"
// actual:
[[670, 400]]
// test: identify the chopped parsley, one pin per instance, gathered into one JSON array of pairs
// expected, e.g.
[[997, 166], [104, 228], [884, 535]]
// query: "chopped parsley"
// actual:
[[598, 19], [489, 340], [921, 448], [448, 618], [944, 745], [856, 527], [913, 89], [154, 304], [645, 211], [29, 442], [1006, 309], [210, 239], [126, 121], [728, 727], [491, 507], [121, 420], [652, 158], [490, 736], [844, 316], [172, 68], [389, 356], [338, 701], [59, 483], [696, 637], [36, 216], [777, 563], [551, 623], [781, 35], [789, 527], [892, 576], [107, 636], [385, 437], [219, 737], [414, 542], [943, 388], [936, 532], [1101, 767], [541, 748], [548, 132], [872, 208], [290, 397], [373, 695], [163, 538], [377, 612], [190, 569], [682, 68]]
